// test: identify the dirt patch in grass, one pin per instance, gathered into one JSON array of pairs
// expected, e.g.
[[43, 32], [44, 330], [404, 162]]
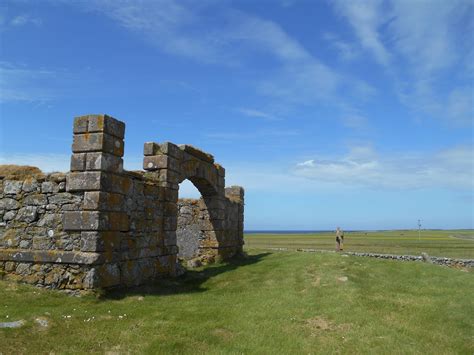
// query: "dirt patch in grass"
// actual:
[[316, 282], [223, 333], [317, 325]]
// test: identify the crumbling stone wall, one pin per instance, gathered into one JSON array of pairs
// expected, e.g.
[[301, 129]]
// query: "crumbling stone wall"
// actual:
[[101, 226], [31, 229], [194, 223]]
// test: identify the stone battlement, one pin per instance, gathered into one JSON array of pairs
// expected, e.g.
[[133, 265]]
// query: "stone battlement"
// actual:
[[99, 226]]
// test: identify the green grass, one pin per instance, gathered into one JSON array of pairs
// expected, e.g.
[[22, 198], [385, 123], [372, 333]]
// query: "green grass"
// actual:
[[456, 243], [283, 303]]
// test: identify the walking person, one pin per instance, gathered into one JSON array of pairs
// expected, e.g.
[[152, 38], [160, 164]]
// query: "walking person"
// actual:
[[338, 239], [342, 239]]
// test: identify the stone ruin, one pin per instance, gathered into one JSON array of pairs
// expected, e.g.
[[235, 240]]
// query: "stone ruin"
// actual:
[[99, 226]]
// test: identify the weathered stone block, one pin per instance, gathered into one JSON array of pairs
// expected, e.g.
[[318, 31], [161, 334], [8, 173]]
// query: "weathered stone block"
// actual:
[[109, 275], [49, 187], [104, 162], [85, 220], [84, 181], [168, 195], [210, 225], [220, 169], [215, 203], [27, 214], [198, 153], [78, 162], [92, 242], [104, 201], [170, 223], [235, 193], [116, 183], [107, 124], [151, 148], [155, 162], [9, 216], [214, 213], [169, 176], [36, 200], [9, 204], [41, 242], [30, 185], [98, 142], [12, 187], [63, 198], [170, 209], [171, 150], [95, 221], [91, 279], [50, 220], [116, 221], [80, 124]]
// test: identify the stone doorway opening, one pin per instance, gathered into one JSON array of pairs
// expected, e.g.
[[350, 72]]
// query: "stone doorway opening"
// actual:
[[189, 233]]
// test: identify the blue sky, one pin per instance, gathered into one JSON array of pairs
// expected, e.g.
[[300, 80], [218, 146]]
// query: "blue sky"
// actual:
[[351, 113]]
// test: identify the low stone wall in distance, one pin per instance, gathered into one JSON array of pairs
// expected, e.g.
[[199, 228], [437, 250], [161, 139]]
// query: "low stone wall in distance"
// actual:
[[451, 262]]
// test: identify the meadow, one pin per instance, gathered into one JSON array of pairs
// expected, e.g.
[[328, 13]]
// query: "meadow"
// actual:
[[445, 243], [268, 302]]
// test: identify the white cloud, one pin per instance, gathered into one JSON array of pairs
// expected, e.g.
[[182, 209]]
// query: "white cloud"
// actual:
[[355, 121], [258, 114], [209, 33], [460, 105], [251, 135], [362, 166], [366, 17], [307, 163], [306, 83], [25, 19], [346, 50], [423, 46]]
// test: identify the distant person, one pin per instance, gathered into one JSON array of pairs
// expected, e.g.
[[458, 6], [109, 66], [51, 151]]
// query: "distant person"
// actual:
[[342, 239], [339, 239]]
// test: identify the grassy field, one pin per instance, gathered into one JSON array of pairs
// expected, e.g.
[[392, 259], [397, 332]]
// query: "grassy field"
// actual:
[[280, 302], [454, 243]]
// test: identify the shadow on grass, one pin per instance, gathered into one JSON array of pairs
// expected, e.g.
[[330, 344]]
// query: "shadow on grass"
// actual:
[[190, 282]]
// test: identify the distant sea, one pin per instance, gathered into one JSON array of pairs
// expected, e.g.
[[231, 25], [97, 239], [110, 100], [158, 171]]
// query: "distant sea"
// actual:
[[286, 231], [327, 230]]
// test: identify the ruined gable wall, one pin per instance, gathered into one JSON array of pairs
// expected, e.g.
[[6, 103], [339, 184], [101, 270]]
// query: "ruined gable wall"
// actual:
[[101, 226]]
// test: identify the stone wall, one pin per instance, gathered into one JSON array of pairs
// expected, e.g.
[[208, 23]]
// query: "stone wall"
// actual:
[[194, 225], [451, 262], [100, 226]]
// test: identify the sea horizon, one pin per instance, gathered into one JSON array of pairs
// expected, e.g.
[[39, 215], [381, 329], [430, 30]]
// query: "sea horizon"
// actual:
[[307, 231]]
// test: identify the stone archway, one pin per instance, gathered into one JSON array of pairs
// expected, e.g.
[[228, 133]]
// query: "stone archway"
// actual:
[[220, 220]]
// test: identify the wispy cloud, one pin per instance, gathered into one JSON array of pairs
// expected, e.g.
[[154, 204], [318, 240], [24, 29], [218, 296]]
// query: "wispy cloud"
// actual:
[[252, 135], [421, 44], [21, 83], [363, 166], [209, 33], [346, 50], [25, 19], [355, 121], [258, 114], [366, 17], [9, 21]]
